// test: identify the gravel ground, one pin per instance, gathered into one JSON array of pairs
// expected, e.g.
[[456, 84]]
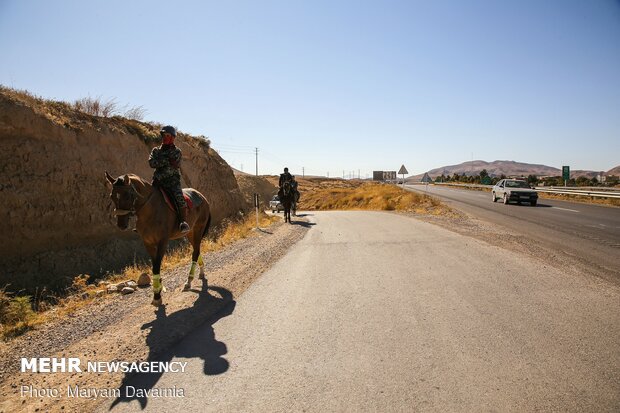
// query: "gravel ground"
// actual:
[[127, 327]]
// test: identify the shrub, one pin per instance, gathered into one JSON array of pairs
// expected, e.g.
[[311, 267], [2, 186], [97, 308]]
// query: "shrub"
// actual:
[[19, 310], [5, 302], [96, 107], [136, 113]]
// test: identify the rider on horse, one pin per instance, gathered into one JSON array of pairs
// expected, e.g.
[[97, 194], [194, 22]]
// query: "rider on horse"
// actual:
[[166, 159], [286, 176]]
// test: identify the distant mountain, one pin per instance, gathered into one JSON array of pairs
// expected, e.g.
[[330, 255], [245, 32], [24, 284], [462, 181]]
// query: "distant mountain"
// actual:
[[614, 171], [508, 168]]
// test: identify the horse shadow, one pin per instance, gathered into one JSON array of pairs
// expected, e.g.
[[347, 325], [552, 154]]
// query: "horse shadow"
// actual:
[[303, 223], [203, 345]]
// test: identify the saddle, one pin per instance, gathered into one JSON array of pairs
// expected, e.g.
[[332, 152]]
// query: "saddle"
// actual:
[[171, 204]]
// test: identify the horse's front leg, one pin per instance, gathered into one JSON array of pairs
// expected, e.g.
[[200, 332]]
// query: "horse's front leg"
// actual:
[[158, 287]]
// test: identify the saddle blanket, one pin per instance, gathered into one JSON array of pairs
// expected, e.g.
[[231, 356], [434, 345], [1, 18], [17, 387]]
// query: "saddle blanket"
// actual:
[[171, 205]]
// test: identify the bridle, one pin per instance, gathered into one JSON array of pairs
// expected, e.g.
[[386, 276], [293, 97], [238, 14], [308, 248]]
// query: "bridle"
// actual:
[[133, 197]]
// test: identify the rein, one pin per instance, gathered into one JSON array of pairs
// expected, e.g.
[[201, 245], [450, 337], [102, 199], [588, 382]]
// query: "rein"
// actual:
[[134, 195]]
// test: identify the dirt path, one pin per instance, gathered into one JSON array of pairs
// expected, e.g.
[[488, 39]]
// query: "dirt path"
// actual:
[[127, 328]]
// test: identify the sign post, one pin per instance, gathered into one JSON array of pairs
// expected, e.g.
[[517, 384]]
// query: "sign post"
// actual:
[[426, 179], [566, 174], [403, 171], [256, 206]]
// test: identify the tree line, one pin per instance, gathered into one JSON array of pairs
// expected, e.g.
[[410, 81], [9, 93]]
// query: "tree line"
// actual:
[[484, 178]]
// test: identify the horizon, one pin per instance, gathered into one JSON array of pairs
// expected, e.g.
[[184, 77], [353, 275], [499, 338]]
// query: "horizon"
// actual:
[[341, 88]]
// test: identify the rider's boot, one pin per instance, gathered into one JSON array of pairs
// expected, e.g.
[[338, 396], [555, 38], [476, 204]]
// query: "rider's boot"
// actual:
[[183, 227]]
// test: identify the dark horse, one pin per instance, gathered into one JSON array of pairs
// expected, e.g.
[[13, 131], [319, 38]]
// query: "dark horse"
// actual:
[[287, 197], [157, 224]]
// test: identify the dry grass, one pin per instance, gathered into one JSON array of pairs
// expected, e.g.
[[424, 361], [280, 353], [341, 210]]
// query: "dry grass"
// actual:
[[18, 316], [358, 195], [87, 113], [237, 231], [614, 202]]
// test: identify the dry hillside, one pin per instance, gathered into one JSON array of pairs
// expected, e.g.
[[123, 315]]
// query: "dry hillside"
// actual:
[[55, 211], [251, 184]]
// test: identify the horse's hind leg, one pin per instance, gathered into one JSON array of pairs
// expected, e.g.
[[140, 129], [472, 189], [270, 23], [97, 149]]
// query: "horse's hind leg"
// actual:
[[196, 237], [201, 263]]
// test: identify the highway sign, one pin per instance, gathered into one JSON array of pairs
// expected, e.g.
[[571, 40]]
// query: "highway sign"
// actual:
[[566, 173], [403, 170]]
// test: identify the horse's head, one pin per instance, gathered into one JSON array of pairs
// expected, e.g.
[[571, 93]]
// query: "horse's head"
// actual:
[[286, 188], [124, 196]]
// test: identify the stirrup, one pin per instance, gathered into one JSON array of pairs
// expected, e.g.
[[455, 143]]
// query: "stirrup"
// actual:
[[183, 227]]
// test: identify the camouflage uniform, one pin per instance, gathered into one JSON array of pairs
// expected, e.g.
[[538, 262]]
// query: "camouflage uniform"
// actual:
[[166, 159]]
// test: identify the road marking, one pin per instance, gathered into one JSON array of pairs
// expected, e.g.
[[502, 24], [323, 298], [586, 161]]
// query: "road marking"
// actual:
[[565, 209]]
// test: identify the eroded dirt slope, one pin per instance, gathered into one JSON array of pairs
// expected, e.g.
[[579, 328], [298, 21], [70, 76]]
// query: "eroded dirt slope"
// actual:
[[55, 214]]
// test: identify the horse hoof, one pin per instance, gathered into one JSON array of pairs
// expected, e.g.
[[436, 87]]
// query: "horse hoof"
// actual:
[[156, 303], [202, 276], [187, 286]]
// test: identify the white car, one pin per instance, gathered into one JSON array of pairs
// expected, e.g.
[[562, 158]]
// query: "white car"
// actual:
[[275, 204], [514, 190]]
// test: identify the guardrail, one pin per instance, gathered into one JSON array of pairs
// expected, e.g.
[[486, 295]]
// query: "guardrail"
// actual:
[[585, 191], [570, 191]]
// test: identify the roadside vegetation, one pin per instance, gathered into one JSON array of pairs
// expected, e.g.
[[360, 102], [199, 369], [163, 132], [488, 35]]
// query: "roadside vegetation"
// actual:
[[20, 313], [360, 195], [94, 112], [483, 178]]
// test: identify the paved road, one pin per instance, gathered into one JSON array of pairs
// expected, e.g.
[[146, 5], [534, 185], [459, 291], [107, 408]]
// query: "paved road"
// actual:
[[381, 312], [591, 232]]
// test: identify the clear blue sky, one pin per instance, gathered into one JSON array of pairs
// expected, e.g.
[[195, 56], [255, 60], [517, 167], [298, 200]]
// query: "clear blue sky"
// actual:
[[340, 85]]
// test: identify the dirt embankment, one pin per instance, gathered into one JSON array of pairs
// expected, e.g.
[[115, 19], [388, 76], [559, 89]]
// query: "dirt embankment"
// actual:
[[55, 214], [251, 184]]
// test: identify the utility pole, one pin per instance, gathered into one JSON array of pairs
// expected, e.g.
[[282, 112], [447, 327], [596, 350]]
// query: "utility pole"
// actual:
[[343, 174], [256, 149], [358, 174], [303, 172]]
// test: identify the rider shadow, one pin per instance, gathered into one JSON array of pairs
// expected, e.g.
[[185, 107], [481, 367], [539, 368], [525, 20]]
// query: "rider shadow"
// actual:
[[203, 343]]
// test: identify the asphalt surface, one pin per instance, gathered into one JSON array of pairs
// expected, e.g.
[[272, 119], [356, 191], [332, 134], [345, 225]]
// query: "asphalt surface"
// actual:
[[587, 231], [381, 312]]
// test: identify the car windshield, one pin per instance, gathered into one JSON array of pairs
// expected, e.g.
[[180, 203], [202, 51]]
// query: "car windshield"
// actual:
[[517, 184]]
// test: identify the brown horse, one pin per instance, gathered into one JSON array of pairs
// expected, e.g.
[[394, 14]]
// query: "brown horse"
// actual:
[[157, 224]]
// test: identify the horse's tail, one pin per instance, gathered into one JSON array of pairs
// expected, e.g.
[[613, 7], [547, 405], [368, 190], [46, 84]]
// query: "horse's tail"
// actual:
[[207, 226]]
